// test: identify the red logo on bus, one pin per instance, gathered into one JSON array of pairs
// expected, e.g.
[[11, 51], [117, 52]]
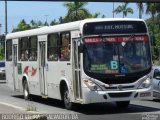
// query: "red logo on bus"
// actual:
[[33, 71], [27, 71]]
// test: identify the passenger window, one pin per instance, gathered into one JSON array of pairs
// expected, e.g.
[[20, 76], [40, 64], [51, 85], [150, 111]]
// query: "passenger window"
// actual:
[[65, 47], [9, 50], [33, 48], [52, 49], [23, 49]]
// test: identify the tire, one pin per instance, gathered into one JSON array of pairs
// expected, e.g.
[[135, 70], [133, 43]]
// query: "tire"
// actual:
[[66, 99], [122, 104], [26, 91]]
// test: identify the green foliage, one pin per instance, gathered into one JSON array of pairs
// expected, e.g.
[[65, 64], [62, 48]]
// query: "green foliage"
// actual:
[[154, 31], [1, 53], [76, 11], [154, 28], [22, 25], [151, 9], [123, 9], [2, 37], [54, 22], [2, 47], [141, 9]]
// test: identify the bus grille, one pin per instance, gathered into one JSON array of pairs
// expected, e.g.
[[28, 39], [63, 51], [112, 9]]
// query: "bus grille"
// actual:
[[117, 95], [114, 88]]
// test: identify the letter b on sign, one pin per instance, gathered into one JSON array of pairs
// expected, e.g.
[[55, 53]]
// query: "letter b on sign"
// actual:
[[114, 65]]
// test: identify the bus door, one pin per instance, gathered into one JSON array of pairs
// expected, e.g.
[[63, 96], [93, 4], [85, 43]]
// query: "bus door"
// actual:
[[15, 69], [76, 69], [42, 66]]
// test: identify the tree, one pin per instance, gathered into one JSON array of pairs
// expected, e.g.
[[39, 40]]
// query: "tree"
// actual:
[[54, 22], [2, 56], [154, 27], [151, 10], [123, 9], [46, 24], [141, 9], [22, 25], [158, 8], [2, 47], [76, 11], [33, 24], [103, 16], [61, 19], [40, 23], [95, 15]]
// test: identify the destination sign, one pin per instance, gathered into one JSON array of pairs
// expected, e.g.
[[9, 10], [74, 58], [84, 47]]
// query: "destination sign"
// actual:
[[114, 27]]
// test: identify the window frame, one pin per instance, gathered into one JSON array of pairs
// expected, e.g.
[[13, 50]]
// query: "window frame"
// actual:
[[31, 48], [61, 42], [53, 47], [23, 50], [10, 49], [25, 46]]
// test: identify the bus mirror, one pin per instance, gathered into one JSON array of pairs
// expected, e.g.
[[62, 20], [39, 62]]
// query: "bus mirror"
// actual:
[[81, 48]]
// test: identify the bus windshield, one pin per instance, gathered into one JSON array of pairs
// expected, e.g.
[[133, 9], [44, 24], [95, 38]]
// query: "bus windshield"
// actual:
[[117, 55]]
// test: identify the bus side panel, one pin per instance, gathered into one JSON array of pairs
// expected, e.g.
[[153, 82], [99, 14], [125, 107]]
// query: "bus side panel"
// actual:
[[9, 74], [31, 70], [20, 77], [58, 71], [53, 80]]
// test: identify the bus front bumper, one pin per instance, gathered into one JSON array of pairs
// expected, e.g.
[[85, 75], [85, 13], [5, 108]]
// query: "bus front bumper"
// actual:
[[111, 96]]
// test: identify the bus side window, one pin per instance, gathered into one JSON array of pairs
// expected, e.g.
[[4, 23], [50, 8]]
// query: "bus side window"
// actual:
[[9, 50], [33, 48], [23, 49], [65, 47], [52, 49]]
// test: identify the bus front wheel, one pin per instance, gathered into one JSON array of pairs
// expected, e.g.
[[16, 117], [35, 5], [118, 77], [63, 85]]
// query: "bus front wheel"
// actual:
[[122, 104], [25, 90], [66, 99]]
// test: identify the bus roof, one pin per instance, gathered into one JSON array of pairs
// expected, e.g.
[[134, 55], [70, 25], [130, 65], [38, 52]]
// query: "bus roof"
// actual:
[[63, 27]]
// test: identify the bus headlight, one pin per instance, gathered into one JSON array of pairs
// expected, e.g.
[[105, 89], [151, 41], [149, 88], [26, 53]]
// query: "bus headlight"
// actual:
[[146, 83], [91, 85]]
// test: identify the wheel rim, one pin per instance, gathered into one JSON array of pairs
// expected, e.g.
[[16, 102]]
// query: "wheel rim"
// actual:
[[25, 93], [67, 99]]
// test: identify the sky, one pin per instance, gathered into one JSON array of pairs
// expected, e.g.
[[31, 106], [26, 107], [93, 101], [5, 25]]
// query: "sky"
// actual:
[[53, 10]]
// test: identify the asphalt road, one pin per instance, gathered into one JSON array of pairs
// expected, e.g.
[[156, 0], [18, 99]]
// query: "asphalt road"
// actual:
[[137, 110]]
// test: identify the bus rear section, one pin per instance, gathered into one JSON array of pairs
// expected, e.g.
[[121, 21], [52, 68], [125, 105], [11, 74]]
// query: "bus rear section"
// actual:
[[116, 62]]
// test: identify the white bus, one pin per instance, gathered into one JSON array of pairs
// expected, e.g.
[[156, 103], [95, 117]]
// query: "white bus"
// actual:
[[89, 61]]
